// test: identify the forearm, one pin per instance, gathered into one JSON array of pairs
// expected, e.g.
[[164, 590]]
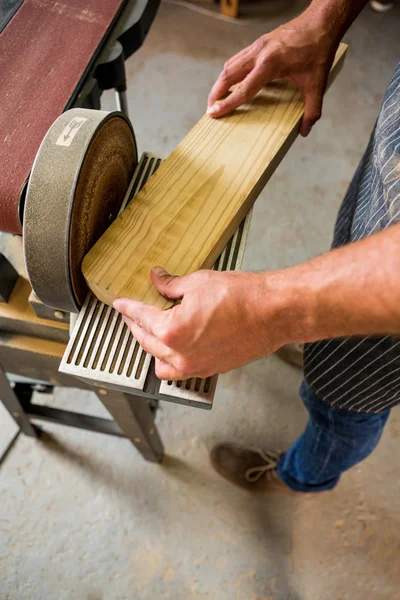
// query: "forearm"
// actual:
[[353, 290], [334, 16]]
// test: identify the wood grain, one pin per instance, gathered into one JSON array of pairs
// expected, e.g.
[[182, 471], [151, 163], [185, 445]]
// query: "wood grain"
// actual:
[[187, 211]]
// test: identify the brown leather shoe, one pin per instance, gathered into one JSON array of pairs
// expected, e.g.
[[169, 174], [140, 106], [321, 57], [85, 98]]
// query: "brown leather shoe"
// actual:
[[250, 468]]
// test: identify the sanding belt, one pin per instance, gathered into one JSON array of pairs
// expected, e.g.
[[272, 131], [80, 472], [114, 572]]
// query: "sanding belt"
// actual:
[[44, 52]]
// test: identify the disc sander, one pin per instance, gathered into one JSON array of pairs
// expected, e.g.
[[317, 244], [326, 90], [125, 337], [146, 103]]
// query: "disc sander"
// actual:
[[77, 184]]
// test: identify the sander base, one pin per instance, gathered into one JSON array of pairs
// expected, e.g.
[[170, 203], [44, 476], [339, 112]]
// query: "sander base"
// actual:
[[103, 352]]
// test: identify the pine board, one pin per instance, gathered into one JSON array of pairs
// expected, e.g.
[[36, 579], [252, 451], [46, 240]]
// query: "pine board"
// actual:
[[188, 210]]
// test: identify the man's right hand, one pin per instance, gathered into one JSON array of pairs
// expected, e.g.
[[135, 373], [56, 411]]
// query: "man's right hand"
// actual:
[[301, 51]]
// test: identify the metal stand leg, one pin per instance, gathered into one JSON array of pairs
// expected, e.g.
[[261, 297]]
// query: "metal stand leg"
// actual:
[[13, 405], [121, 99], [135, 418]]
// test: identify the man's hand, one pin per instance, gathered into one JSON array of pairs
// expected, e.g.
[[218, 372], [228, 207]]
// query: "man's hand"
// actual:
[[217, 326], [227, 319], [301, 51]]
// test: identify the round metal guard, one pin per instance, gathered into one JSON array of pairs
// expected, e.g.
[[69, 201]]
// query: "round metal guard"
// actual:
[[78, 182]]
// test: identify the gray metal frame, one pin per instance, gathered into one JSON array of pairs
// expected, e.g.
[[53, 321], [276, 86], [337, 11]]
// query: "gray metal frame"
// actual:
[[14, 407], [133, 416]]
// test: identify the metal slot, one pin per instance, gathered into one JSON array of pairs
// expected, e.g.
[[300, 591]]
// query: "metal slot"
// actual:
[[101, 349], [200, 392]]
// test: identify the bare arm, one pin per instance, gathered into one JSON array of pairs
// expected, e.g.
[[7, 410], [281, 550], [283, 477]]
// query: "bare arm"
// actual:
[[301, 50], [228, 319], [353, 290]]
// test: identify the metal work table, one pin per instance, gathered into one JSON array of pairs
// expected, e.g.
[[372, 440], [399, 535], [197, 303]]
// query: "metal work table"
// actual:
[[42, 347], [30, 346]]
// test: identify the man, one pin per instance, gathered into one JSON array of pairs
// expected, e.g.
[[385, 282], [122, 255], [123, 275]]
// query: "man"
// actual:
[[344, 304]]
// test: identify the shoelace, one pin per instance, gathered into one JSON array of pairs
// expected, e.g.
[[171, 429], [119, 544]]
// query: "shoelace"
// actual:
[[271, 461]]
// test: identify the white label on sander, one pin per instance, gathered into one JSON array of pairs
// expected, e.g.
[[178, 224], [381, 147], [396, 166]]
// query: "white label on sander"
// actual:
[[70, 131]]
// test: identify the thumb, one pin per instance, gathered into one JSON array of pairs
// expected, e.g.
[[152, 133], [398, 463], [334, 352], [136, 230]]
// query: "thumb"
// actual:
[[169, 286], [312, 111]]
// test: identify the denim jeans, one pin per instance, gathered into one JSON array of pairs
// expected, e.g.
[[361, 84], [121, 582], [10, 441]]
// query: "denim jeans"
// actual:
[[334, 440]]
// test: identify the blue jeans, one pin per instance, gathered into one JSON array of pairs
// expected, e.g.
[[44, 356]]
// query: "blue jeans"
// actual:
[[334, 440]]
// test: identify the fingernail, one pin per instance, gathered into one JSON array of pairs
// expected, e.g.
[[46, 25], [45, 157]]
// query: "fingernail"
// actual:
[[159, 271], [212, 110]]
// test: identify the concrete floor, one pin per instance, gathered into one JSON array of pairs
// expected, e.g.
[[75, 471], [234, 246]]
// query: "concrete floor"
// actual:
[[84, 517]]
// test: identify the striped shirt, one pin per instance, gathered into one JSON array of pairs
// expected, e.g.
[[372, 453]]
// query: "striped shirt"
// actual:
[[362, 374]]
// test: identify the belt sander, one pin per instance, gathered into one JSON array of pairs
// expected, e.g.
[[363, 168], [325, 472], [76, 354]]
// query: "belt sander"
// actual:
[[86, 173]]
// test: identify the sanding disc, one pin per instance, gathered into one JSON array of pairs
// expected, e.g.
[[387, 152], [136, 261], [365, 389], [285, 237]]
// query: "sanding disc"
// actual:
[[77, 184]]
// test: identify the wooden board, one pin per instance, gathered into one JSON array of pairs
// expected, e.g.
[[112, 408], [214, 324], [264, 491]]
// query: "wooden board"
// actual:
[[187, 211], [230, 8], [17, 316]]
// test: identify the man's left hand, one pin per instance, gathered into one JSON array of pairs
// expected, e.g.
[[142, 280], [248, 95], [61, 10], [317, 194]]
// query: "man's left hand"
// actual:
[[223, 320]]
